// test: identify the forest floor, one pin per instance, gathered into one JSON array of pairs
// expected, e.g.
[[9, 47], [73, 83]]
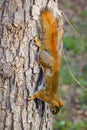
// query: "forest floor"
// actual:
[[74, 114]]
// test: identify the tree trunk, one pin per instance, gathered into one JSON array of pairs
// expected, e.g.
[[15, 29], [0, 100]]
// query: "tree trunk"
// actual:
[[18, 66]]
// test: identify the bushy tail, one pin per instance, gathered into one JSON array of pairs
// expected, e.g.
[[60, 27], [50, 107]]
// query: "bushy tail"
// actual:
[[50, 31]]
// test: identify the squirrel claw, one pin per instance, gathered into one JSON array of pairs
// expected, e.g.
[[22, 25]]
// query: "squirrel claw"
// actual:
[[30, 98], [37, 42]]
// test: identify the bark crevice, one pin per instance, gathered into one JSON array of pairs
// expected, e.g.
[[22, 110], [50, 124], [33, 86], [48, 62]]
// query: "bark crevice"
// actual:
[[19, 68]]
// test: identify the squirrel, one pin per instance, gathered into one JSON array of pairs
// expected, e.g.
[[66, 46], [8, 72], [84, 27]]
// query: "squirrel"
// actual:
[[49, 60]]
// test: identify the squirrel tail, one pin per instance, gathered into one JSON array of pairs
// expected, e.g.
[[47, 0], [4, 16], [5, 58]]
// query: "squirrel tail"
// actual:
[[49, 31]]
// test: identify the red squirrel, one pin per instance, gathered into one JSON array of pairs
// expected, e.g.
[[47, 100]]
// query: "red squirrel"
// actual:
[[49, 60]]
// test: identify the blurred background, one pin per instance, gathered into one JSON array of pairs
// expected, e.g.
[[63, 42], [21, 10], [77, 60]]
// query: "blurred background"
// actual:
[[73, 115]]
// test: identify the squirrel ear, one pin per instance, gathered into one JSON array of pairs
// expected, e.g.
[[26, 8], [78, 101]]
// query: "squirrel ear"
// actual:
[[59, 103]]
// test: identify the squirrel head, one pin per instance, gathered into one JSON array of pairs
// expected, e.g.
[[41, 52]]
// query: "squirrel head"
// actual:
[[55, 107]]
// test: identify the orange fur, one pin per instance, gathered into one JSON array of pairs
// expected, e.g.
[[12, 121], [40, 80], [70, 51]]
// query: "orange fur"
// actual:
[[50, 32], [49, 60]]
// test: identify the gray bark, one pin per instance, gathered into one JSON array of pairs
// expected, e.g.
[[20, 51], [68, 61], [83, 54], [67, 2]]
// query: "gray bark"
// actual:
[[18, 66]]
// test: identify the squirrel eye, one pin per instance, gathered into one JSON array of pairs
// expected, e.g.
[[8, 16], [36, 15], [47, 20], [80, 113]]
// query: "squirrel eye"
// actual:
[[55, 110]]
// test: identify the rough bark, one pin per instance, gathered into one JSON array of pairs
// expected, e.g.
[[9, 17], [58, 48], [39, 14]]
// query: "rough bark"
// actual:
[[18, 66]]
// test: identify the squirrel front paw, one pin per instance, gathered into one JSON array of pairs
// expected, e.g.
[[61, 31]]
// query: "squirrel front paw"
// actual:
[[37, 42], [31, 98]]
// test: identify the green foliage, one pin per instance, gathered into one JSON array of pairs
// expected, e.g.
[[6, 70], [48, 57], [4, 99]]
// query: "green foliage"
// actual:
[[83, 98], [80, 125], [66, 124], [76, 51], [85, 44], [71, 43], [83, 13], [62, 122], [85, 24], [65, 76], [85, 71], [68, 4]]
